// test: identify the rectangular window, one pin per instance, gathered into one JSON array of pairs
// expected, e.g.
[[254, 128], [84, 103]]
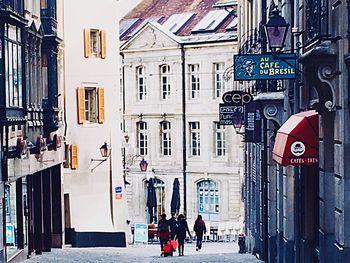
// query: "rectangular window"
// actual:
[[90, 105], [165, 81], [194, 80], [195, 138], [142, 138], [141, 83], [44, 74], [218, 79], [43, 4], [13, 66], [94, 43], [220, 144], [166, 138]]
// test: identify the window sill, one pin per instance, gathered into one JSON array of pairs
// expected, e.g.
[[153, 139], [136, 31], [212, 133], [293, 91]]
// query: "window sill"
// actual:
[[91, 124]]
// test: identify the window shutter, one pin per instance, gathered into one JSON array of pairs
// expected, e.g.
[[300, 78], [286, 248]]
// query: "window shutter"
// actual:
[[81, 104], [74, 156], [103, 43], [87, 43], [101, 105]]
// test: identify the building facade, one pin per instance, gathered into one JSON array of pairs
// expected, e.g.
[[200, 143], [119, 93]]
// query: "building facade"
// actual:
[[173, 63], [31, 127], [94, 214], [305, 217]]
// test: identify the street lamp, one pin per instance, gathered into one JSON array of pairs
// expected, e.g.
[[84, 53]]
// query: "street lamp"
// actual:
[[105, 151], [276, 30], [143, 165]]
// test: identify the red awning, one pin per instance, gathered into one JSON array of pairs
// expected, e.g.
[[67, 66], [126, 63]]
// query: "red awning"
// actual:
[[297, 140]]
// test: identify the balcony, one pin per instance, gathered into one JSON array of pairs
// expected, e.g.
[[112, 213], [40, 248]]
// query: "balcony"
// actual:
[[316, 21]]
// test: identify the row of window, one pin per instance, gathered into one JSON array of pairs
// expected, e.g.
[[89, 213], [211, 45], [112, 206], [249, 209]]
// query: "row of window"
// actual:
[[194, 138], [194, 81]]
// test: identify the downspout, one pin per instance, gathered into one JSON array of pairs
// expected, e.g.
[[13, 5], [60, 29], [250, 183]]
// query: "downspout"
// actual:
[[123, 120], [264, 172], [184, 149], [296, 108]]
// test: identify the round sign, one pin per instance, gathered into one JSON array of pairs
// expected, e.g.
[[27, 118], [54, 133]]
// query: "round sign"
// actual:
[[297, 148]]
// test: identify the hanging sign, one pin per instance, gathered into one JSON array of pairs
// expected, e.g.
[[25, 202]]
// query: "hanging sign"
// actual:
[[265, 66], [252, 123], [231, 112]]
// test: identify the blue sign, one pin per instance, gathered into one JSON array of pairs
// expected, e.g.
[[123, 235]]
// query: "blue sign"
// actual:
[[118, 189], [252, 123], [230, 115], [141, 233], [264, 66], [10, 234]]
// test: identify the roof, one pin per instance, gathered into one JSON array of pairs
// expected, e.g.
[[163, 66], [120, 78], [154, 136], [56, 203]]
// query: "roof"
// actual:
[[182, 17]]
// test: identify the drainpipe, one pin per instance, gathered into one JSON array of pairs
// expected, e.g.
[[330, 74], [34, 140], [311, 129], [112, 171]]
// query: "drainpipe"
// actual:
[[184, 149], [123, 120], [296, 108], [264, 171]]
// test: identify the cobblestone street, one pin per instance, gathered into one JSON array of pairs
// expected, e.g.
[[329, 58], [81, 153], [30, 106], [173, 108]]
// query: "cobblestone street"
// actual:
[[211, 252]]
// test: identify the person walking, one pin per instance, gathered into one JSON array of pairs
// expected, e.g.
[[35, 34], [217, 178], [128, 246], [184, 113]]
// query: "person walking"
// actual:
[[200, 229], [163, 231], [172, 225], [181, 229]]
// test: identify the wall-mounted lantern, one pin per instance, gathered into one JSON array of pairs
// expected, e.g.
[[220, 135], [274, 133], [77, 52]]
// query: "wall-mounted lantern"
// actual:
[[143, 165], [276, 30]]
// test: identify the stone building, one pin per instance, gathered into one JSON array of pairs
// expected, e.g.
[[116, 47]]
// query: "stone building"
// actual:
[[174, 56], [31, 127], [299, 213]]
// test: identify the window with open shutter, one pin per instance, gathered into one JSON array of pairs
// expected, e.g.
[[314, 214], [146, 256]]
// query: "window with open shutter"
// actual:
[[103, 43], [87, 45], [81, 104], [101, 105], [74, 156]]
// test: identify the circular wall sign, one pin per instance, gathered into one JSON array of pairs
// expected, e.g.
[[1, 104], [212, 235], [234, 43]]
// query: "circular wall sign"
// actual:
[[297, 148]]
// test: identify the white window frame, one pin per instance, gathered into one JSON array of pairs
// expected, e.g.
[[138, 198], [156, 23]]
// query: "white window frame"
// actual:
[[195, 142], [165, 138], [95, 43], [194, 81], [142, 138], [165, 81], [220, 140], [141, 83], [219, 82], [208, 197], [91, 104]]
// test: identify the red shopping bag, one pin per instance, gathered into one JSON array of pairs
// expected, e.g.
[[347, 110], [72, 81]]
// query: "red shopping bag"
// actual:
[[173, 244]]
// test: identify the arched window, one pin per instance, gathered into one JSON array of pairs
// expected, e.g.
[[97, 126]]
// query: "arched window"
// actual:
[[142, 138], [165, 81], [165, 138], [159, 186], [208, 200], [141, 83]]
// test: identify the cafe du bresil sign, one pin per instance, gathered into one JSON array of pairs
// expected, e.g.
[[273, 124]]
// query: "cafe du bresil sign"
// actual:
[[264, 66]]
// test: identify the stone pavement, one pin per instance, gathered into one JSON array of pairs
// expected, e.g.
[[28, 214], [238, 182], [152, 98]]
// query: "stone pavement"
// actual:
[[211, 253]]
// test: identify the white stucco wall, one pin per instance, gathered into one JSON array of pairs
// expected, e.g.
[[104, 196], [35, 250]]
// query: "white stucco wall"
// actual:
[[90, 192]]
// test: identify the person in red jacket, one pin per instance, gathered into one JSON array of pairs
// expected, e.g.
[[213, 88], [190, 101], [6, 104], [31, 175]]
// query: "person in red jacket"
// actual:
[[163, 231]]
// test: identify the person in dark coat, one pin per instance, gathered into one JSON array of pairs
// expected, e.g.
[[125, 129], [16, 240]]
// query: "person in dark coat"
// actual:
[[181, 229], [163, 231], [172, 224], [200, 229]]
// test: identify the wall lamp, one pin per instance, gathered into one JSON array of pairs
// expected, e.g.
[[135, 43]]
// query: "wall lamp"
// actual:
[[105, 151], [143, 165], [276, 31]]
